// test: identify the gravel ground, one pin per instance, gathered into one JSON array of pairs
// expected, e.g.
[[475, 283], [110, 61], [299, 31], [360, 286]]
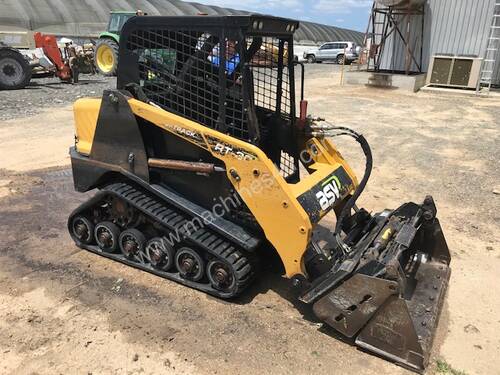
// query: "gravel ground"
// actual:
[[65, 310], [46, 93]]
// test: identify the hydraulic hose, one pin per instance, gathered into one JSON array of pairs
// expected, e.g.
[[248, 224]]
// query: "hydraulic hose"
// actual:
[[361, 187]]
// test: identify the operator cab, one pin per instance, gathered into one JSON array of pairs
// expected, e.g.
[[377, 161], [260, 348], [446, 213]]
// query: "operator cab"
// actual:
[[229, 73]]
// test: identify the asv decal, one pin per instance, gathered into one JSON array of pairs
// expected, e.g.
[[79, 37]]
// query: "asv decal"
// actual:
[[329, 194]]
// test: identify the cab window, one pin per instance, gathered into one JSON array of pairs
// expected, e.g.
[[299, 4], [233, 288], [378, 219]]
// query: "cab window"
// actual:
[[117, 21]]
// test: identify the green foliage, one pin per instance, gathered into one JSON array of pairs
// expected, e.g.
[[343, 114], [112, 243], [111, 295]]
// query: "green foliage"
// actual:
[[445, 368]]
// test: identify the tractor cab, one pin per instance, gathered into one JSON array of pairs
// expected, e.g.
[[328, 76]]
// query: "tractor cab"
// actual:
[[117, 20]]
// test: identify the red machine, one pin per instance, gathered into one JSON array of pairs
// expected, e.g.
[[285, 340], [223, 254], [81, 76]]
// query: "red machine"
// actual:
[[50, 48]]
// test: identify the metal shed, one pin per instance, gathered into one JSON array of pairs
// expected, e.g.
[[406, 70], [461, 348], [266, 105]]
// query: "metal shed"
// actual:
[[451, 27], [87, 18]]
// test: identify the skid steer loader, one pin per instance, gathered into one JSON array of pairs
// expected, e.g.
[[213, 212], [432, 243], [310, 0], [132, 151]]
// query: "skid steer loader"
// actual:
[[204, 170]]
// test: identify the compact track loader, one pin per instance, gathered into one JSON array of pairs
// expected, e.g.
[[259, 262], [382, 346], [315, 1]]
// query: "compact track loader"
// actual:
[[204, 170]]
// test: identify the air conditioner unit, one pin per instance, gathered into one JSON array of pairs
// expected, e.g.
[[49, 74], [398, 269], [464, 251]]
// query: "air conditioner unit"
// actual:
[[454, 71]]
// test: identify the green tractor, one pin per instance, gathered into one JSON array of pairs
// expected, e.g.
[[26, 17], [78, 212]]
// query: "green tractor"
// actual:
[[106, 51]]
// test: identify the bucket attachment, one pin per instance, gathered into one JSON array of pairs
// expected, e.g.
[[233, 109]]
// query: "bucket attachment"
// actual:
[[390, 303]]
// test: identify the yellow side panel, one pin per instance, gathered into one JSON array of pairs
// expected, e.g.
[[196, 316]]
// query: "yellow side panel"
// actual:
[[326, 159], [322, 170], [329, 153], [254, 176], [258, 182], [86, 113]]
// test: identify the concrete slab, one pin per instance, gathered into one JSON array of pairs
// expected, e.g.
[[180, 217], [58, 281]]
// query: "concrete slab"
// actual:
[[458, 92], [410, 83]]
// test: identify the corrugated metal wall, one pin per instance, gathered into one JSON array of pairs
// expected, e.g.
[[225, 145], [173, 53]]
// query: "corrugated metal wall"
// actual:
[[458, 27]]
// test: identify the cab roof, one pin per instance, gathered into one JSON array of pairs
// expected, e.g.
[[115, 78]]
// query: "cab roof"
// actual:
[[252, 23]]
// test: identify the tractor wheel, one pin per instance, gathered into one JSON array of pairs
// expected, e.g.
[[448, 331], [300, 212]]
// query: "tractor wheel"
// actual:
[[15, 72], [106, 56]]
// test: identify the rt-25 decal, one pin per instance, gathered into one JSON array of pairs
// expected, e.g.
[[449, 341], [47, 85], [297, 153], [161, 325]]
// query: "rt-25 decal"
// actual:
[[223, 148]]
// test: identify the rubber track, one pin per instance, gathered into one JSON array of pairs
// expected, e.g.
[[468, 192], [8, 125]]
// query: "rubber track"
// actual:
[[172, 219]]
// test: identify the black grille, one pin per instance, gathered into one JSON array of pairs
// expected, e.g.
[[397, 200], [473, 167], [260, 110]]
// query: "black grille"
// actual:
[[270, 73], [271, 84], [182, 72]]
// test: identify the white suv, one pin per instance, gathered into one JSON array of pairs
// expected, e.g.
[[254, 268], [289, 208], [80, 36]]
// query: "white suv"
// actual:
[[333, 51]]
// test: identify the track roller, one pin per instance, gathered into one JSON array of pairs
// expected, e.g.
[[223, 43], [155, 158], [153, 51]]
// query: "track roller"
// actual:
[[107, 236], [189, 264], [160, 254], [221, 275], [82, 229], [132, 243]]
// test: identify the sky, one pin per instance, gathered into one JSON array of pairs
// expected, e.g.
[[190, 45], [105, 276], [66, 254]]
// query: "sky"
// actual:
[[351, 14]]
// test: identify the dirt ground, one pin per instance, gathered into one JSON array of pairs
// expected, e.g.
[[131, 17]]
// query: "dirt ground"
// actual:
[[63, 310]]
